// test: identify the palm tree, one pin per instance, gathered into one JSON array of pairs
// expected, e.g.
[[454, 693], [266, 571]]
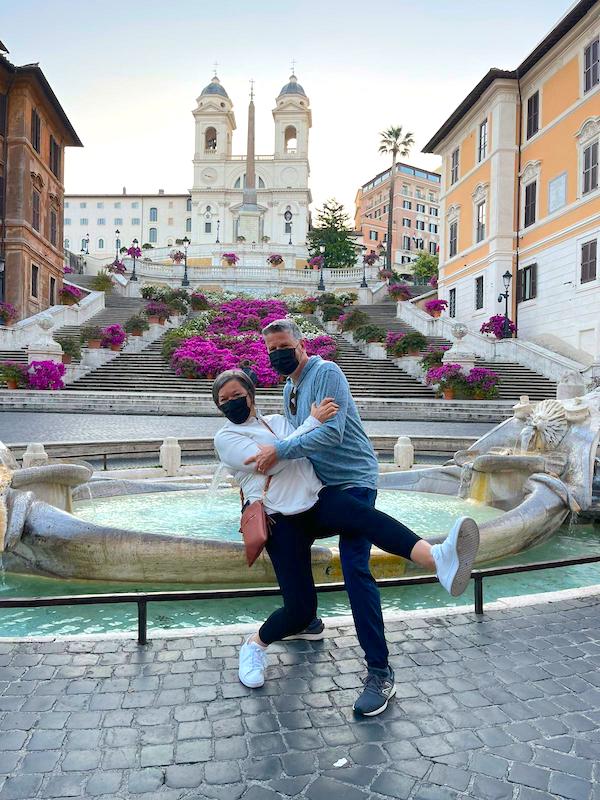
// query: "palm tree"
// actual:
[[397, 143]]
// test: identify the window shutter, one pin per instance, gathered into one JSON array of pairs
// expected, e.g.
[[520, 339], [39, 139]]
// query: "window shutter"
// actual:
[[520, 287], [533, 280]]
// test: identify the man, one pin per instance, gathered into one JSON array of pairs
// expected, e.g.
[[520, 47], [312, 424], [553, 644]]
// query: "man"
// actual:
[[342, 455]]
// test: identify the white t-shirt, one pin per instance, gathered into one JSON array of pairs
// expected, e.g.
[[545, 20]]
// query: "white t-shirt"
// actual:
[[294, 487]]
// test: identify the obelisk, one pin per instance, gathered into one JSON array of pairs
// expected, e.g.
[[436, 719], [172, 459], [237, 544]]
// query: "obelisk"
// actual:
[[249, 212]]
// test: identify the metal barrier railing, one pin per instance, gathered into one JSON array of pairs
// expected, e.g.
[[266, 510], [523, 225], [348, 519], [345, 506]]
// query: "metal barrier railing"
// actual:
[[141, 599]]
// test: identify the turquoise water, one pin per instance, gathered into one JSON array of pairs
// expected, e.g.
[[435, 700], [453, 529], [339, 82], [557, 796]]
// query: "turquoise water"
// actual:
[[219, 518]]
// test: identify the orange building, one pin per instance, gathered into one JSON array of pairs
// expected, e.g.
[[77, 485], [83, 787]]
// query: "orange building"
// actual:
[[416, 213], [34, 131], [520, 192]]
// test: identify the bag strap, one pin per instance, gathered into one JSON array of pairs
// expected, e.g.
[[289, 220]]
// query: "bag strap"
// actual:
[[269, 477], [266, 424]]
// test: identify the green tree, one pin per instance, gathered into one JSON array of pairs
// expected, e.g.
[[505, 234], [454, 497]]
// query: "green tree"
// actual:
[[425, 266], [334, 233], [397, 143]]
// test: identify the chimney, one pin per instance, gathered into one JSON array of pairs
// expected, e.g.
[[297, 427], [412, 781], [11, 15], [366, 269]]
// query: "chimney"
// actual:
[[124, 190], [161, 191]]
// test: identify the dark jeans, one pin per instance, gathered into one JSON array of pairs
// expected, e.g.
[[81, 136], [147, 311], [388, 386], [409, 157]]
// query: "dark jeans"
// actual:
[[336, 512]]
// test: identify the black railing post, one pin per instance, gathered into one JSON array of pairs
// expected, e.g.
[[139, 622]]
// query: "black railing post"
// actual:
[[142, 622], [104, 462], [478, 594]]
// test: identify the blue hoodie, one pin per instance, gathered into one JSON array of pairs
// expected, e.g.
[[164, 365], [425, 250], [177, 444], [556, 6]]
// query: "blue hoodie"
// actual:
[[340, 450]]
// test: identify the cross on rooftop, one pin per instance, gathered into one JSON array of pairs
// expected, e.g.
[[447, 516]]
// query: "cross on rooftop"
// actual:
[[215, 65]]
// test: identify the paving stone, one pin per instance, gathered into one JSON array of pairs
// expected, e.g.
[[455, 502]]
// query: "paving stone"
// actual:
[[393, 784], [62, 786], [183, 776], [367, 754], [299, 763], [40, 761], [485, 788], [21, 787], [156, 755], [570, 787], [529, 776], [449, 776], [145, 780], [328, 789], [103, 783], [222, 772], [291, 787]]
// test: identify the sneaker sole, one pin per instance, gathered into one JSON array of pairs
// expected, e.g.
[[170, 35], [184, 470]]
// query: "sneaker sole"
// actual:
[[467, 545], [250, 685], [377, 710], [309, 637]]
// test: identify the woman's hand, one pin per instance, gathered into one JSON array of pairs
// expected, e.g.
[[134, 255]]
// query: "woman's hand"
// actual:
[[325, 410]]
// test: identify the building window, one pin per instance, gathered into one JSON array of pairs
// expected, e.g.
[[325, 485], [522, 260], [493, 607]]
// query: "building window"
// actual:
[[135, 220], [83, 221], [52, 294], [419, 243], [433, 248], [84, 243], [452, 303], [101, 221], [67, 244], [100, 205], [67, 204], [117, 204], [526, 283], [483, 141], [406, 242], [170, 204], [406, 204], [55, 156], [454, 166], [591, 68], [67, 220], [36, 130], [480, 231], [100, 244], [35, 273], [53, 227], [530, 201], [288, 228], [373, 236], [453, 243], [386, 208], [479, 292], [404, 189], [135, 204], [533, 115], [405, 222], [170, 221], [420, 208], [35, 209], [188, 205], [557, 193], [433, 228], [118, 220], [589, 261], [153, 235], [433, 211], [420, 225], [154, 215], [188, 225], [590, 168], [208, 227], [82, 205]]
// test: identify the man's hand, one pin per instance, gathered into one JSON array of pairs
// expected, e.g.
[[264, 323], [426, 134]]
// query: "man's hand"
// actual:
[[265, 459]]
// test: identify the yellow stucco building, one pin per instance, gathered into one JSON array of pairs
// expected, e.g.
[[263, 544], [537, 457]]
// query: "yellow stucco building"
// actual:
[[521, 193]]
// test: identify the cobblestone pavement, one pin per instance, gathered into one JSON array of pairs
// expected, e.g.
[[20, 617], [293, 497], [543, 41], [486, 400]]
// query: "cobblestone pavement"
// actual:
[[504, 708], [23, 426]]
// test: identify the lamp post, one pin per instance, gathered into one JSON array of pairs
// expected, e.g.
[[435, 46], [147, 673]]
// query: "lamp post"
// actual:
[[290, 241], [383, 254], [134, 245], [185, 242], [506, 279], [87, 244], [117, 243], [364, 284], [321, 286], [218, 228]]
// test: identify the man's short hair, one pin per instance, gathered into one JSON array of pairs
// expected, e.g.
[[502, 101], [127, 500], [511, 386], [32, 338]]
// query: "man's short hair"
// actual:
[[283, 326]]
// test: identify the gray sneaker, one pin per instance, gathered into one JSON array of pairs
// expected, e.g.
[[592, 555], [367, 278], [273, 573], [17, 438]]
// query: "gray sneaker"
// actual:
[[313, 632], [379, 688]]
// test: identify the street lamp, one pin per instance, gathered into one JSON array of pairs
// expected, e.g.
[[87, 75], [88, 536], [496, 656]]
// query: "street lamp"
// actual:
[[87, 244], [290, 241], [321, 286], [364, 284], [506, 279], [218, 228], [383, 254], [118, 243], [134, 245], [185, 242]]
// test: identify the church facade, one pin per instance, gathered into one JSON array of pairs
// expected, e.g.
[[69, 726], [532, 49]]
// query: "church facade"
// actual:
[[251, 201]]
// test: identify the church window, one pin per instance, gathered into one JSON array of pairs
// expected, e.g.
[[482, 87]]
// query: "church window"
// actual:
[[154, 215], [238, 183], [188, 206], [207, 227], [291, 140], [188, 225], [153, 235], [100, 244], [210, 140]]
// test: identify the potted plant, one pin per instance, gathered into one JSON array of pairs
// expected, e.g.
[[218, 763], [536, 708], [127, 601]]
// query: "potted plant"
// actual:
[[13, 374], [392, 341], [373, 337], [483, 383], [177, 256], [157, 312], [385, 274], [136, 325], [435, 307], [230, 259], [92, 335], [149, 292], [199, 301], [353, 319], [316, 262], [134, 251], [449, 377], [241, 239], [433, 357], [70, 295], [308, 305], [102, 282], [332, 312], [113, 337], [399, 291], [266, 239], [71, 348], [8, 314], [275, 259], [46, 375], [433, 281], [68, 269], [495, 326], [117, 267], [371, 258], [411, 344]]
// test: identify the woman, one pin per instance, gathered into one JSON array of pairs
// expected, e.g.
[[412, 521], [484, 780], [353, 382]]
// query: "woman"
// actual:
[[301, 510]]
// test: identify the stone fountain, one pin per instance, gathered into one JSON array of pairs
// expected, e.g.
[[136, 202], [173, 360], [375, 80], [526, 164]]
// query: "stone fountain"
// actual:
[[536, 467]]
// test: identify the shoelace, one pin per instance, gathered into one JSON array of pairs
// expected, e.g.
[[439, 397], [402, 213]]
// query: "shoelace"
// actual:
[[258, 657], [373, 681]]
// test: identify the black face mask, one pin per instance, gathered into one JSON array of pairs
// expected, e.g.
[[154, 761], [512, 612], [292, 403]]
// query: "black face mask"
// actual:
[[236, 410], [284, 361]]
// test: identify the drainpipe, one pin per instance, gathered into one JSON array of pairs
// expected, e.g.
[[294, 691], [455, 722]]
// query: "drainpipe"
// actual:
[[4, 193], [519, 147]]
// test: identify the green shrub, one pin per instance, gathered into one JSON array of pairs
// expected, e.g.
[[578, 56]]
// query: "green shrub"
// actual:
[[410, 343], [149, 292], [331, 313], [91, 332], [71, 346], [171, 341], [137, 323], [354, 319], [102, 282], [370, 333], [326, 299]]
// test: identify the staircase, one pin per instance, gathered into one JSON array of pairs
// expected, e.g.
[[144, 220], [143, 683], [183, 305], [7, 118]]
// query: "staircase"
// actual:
[[515, 379], [117, 311]]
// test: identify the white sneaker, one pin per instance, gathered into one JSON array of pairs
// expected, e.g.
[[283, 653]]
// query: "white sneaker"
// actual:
[[454, 557], [253, 661]]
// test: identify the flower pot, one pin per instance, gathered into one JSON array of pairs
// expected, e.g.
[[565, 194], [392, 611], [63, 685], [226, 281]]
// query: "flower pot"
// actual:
[[162, 320], [11, 384], [115, 347], [435, 314], [66, 358], [448, 393], [479, 395], [68, 301], [136, 333], [413, 353], [210, 376], [153, 320], [94, 344], [191, 377]]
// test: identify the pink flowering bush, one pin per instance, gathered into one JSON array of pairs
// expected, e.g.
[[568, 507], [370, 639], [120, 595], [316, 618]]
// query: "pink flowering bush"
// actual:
[[8, 313], [117, 267], [448, 377], [275, 259], [371, 258], [316, 262], [392, 339], [199, 301], [231, 258], [134, 252], [46, 375], [70, 294], [68, 270], [483, 382], [433, 282], [177, 256], [156, 308], [435, 307], [399, 291], [113, 335], [323, 346], [495, 325]]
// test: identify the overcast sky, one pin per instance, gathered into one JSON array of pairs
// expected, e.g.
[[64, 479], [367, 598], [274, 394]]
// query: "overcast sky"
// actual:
[[128, 73]]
